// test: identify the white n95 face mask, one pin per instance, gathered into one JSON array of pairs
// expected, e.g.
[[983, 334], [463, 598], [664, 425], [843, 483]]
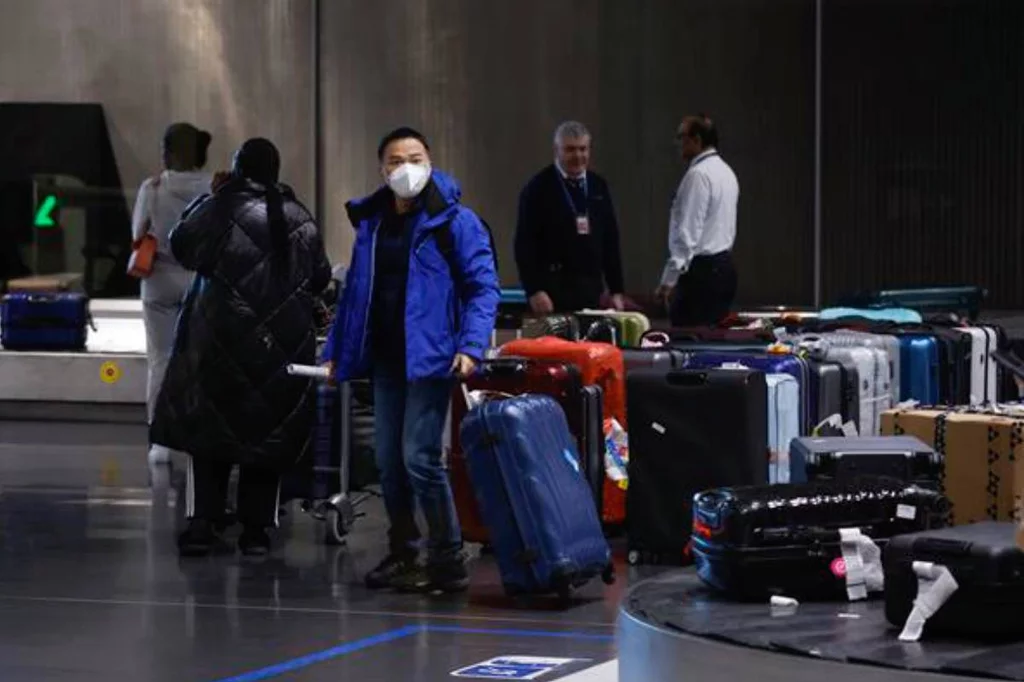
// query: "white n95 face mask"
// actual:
[[409, 179]]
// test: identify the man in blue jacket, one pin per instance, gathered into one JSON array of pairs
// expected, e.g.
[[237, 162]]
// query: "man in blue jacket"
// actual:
[[419, 305]]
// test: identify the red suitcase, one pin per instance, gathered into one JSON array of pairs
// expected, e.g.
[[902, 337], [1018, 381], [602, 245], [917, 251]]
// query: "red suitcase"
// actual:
[[601, 365]]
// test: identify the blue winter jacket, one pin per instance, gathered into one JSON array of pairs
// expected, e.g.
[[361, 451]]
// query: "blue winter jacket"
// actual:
[[450, 303]]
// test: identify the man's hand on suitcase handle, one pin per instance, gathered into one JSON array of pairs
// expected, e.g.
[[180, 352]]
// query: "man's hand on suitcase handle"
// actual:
[[463, 366]]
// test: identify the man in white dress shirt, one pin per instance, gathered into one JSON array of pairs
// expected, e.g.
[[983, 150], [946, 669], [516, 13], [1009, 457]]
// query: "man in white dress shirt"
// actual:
[[698, 284]]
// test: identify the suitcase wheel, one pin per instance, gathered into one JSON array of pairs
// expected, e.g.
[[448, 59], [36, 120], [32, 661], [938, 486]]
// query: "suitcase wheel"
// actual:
[[608, 576]]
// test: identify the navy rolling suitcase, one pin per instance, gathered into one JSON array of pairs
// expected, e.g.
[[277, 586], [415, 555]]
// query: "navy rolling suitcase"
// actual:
[[44, 321], [535, 501]]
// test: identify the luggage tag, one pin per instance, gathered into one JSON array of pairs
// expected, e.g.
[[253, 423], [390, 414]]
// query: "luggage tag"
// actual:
[[935, 585], [582, 225]]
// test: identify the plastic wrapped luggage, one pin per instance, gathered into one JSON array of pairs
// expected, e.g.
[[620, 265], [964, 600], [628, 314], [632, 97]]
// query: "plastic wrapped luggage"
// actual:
[[758, 541], [533, 496], [692, 430], [987, 563], [44, 321], [783, 424], [903, 458], [515, 376], [600, 364]]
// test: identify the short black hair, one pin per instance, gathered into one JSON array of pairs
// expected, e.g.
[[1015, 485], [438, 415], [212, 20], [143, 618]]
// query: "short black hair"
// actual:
[[403, 133], [702, 127]]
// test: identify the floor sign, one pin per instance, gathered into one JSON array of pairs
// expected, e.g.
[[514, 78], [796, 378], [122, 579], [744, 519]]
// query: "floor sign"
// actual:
[[512, 668]]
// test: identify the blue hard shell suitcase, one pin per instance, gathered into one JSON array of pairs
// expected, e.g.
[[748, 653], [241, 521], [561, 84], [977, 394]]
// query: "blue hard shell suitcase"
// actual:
[[919, 369], [44, 321], [524, 468]]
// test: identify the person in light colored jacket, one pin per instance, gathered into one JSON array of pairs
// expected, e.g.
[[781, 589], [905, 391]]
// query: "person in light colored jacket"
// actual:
[[158, 207]]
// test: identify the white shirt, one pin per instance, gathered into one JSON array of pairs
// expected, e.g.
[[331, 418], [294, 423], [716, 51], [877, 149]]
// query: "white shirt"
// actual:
[[702, 221]]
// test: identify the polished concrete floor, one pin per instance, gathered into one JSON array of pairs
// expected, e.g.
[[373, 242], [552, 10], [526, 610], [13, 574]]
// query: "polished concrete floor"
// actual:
[[92, 589]]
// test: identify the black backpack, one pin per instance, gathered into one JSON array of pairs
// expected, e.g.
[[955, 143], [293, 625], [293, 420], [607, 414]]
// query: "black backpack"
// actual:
[[446, 243]]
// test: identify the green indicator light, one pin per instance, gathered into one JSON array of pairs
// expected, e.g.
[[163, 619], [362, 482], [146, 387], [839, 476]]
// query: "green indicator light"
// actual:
[[43, 217]]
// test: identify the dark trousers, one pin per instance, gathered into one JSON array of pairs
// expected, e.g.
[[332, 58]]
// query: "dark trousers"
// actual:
[[704, 293], [410, 421], [572, 293], [207, 492]]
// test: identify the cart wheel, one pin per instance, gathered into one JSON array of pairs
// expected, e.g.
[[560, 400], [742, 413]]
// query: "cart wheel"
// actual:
[[340, 519], [608, 576], [633, 557]]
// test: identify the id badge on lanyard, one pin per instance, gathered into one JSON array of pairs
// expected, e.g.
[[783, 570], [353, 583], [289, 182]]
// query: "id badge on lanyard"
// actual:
[[582, 221]]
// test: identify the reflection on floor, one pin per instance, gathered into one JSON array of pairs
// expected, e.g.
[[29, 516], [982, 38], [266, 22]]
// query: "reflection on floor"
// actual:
[[91, 589]]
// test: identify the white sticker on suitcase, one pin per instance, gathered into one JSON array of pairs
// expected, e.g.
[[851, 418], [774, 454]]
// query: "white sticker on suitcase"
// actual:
[[906, 511], [658, 427]]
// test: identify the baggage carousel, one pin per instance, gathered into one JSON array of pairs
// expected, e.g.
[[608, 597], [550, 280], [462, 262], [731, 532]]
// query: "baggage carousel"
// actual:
[[110, 372], [672, 628]]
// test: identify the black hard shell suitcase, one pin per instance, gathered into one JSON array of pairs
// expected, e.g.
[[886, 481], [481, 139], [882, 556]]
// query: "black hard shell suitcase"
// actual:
[[690, 430], [986, 563], [904, 458], [754, 542]]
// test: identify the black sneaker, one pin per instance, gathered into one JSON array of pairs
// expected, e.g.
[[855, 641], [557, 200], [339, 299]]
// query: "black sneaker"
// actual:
[[388, 571], [197, 540], [254, 542], [449, 577]]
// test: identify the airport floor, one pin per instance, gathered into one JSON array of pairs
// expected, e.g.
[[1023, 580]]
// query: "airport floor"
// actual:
[[91, 589]]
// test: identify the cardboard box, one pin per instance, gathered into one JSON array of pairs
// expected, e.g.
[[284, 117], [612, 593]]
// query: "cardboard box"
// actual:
[[984, 459]]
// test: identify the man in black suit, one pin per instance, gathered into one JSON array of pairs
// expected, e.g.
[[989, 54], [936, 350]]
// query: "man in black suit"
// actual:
[[567, 237]]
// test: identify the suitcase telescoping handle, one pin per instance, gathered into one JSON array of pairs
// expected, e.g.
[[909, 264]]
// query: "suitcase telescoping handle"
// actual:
[[504, 365]]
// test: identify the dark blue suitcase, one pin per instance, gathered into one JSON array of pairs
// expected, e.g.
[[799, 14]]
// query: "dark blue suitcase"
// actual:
[[538, 507], [44, 321]]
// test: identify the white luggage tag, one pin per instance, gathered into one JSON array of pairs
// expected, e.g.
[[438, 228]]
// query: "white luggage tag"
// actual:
[[862, 561], [935, 585]]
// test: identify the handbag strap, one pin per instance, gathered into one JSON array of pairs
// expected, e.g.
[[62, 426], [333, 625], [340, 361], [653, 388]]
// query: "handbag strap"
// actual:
[[154, 185]]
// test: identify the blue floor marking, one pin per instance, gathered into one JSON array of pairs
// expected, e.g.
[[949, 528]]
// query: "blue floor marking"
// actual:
[[393, 635], [325, 655]]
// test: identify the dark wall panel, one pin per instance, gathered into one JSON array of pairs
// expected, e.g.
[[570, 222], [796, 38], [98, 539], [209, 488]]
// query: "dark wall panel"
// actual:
[[923, 145], [488, 82]]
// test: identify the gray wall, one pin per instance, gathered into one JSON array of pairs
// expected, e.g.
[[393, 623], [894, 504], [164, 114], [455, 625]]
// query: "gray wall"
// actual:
[[488, 81], [237, 68]]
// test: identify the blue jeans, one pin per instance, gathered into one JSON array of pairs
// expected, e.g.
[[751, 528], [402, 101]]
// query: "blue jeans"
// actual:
[[410, 419]]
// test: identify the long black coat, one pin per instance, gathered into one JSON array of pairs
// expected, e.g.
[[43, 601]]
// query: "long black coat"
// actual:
[[227, 394]]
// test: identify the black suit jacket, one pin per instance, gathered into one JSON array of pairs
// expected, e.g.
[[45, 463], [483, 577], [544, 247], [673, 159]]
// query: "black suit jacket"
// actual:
[[550, 253]]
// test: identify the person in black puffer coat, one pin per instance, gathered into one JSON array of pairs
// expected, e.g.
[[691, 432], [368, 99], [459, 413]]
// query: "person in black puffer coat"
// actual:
[[227, 398]]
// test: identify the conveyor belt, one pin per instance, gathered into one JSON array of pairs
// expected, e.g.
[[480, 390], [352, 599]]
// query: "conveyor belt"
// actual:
[[111, 371], [671, 629]]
